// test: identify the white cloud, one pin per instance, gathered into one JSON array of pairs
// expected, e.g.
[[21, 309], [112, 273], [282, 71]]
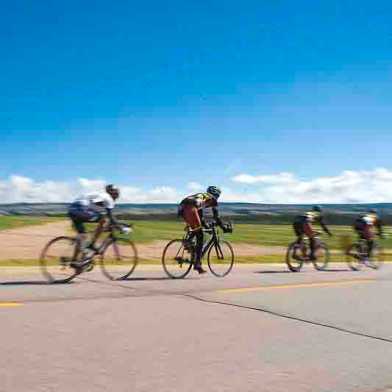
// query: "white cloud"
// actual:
[[18, 189], [195, 186], [264, 179], [347, 187]]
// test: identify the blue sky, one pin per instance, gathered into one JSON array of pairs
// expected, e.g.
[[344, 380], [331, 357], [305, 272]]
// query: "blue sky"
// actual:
[[158, 94]]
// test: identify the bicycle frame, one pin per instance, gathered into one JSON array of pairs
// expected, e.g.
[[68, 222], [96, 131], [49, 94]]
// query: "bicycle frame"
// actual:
[[305, 245], [111, 239], [214, 240]]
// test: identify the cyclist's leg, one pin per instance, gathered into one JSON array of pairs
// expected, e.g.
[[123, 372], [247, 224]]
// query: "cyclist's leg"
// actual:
[[81, 237], [98, 230], [368, 236], [309, 232], [192, 218], [79, 216], [299, 232]]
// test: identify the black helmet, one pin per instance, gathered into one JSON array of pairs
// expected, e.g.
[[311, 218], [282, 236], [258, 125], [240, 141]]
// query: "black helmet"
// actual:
[[317, 209], [372, 211], [214, 191], [113, 191]]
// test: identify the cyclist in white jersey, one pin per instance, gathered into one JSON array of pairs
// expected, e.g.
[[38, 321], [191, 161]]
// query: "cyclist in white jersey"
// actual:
[[97, 208]]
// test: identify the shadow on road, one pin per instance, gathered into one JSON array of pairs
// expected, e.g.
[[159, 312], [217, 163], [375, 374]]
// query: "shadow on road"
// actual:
[[301, 272], [33, 283], [337, 270], [142, 279], [273, 272], [24, 283]]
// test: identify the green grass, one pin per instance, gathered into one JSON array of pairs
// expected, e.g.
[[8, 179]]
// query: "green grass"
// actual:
[[147, 231], [264, 235], [14, 222]]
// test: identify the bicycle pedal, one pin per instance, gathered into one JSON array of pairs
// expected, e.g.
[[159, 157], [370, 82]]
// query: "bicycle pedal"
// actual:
[[89, 267]]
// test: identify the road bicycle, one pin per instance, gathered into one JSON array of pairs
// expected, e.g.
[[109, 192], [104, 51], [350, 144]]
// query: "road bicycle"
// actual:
[[179, 254], [116, 256], [357, 255], [298, 253]]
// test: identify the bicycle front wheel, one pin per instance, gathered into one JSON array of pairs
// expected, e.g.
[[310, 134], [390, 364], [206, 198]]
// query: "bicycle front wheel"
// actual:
[[294, 257], [119, 261], [221, 259], [56, 258], [176, 260], [322, 257], [376, 258]]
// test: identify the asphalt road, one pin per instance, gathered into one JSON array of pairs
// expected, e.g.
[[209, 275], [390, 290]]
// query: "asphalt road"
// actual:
[[260, 329]]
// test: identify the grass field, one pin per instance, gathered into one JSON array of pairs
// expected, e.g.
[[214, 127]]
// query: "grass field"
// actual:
[[263, 235], [14, 222], [256, 234]]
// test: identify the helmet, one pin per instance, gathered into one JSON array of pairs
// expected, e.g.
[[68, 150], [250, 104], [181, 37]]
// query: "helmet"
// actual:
[[113, 191], [317, 209], [214, 191], [372, 211]]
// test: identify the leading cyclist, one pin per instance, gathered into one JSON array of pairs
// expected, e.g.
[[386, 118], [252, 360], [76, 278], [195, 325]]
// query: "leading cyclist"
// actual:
[[94, 208]]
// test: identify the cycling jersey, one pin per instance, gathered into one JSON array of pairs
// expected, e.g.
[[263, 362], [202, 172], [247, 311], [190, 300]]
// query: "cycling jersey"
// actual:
[[91, 208], [368, 221], [303, 223], [200, 201], [103, 200]]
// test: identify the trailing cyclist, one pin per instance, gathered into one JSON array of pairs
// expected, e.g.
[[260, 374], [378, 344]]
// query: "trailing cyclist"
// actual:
[[364, 226], [191, 210], [303, 226], [93, 208]]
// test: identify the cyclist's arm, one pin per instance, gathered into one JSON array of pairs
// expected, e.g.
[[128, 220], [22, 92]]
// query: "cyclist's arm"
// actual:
[[112, 219], [217, 218], [325, 227], [379, 225], [203, 222]]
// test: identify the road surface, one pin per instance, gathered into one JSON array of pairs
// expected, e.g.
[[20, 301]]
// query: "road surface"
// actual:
[[260, 329]]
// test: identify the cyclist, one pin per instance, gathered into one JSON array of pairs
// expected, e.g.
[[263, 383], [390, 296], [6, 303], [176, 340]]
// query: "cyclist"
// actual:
[[97, 208], [364, 226], [303, 226], [191, 210]]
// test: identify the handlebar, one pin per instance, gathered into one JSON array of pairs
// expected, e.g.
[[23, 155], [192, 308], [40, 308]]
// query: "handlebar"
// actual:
[[118, 226], [226, 227]]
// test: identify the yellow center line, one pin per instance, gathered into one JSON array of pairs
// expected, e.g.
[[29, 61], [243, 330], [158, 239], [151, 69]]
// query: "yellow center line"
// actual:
[[10, 304], [298, 285]]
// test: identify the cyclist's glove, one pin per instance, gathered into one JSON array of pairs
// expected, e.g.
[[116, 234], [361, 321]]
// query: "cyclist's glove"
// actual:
[[126, 230], [205, 225], [227, 228]]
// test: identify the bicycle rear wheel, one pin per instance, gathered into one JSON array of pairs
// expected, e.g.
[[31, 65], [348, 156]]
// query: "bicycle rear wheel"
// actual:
[[56, 258], [221, 259], [354, 257], [323, 257], [119, 260], [176, 260], [294, 257]]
